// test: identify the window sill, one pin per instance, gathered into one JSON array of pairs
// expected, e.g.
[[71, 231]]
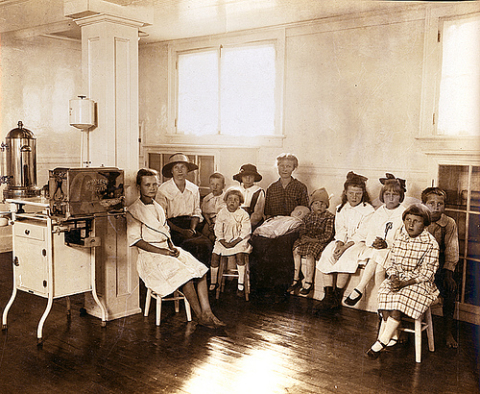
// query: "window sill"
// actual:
[[452, 145], [221, 141]]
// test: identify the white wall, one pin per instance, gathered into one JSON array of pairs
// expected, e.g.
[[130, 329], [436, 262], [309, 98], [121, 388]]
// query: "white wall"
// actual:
[[38, 77]]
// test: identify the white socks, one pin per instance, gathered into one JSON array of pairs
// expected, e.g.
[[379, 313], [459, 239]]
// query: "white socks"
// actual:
[[241, 276]]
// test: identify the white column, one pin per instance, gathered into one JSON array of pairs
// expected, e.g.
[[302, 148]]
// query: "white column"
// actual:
[[110, 73]]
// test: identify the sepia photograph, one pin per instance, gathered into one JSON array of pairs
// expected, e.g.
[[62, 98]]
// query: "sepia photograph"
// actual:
[[239, 196]]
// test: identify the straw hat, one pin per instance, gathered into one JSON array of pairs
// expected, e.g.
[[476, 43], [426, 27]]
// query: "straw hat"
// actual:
[[174, 159]]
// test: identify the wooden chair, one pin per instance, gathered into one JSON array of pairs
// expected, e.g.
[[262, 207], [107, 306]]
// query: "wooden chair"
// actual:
[[176, 296], [224, 272], [424, 322]]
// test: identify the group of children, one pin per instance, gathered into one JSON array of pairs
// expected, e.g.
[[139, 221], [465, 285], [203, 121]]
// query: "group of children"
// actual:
[[336, 244]]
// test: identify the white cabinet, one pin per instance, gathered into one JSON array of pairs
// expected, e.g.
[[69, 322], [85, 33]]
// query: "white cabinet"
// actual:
[[34, 246], [47, 264]]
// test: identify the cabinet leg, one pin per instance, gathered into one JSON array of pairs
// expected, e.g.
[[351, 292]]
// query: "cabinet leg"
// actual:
[[7, 307], [44, 317]]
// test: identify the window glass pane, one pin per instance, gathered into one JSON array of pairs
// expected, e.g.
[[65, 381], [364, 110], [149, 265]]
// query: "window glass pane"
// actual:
[[474, 236], [155, 161], [248, 90], [198, 93], [454, 180], [472, 295], [475, 192], [459, 103]]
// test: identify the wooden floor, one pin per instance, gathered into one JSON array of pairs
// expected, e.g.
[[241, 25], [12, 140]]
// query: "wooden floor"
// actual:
[[269, 346]]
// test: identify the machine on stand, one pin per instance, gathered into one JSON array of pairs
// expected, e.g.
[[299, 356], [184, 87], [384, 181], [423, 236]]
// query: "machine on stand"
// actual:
[[55, 236]]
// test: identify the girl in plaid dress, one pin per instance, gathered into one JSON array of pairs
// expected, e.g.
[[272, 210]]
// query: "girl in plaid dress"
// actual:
[[410, 288], [317, 232]]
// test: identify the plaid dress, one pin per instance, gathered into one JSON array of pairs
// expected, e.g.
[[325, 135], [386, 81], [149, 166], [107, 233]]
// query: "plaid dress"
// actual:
[[411, 258], [318, 226]]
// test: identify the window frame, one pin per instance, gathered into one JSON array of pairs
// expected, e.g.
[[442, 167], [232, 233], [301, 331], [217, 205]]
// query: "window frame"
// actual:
[[430, 140], [268, 36]]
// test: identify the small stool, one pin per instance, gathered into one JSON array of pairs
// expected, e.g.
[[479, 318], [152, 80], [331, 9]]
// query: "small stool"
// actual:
[[176, 296], [424, 322], [224, 272]]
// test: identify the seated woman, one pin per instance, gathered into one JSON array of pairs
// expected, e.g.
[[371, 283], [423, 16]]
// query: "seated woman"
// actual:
[[340, 258], [380, 231], [317, 232], [271, 259], [162, 266], [254, 195], [232, 232], [410, 287], [180, 200]]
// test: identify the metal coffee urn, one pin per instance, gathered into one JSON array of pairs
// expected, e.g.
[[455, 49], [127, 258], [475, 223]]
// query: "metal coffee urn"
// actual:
[[21, 164]]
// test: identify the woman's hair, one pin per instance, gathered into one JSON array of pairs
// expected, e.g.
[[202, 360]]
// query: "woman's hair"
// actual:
[[145, 172], [393, 187], [236, 192], [355, 181], [217, 175], [287, 156], [433, 190], [419, 210]]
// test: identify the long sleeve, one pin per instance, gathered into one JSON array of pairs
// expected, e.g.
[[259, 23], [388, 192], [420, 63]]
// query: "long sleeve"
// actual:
[[451, 246], [329, 230], [258, 212], [426, 270]]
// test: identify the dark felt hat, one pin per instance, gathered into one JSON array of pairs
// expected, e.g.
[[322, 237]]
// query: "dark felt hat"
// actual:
[[247, 169], [174, 159]]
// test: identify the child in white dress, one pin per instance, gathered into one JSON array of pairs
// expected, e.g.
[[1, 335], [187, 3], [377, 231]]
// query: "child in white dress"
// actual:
[[232, 232], [340, 258], [380, 233]]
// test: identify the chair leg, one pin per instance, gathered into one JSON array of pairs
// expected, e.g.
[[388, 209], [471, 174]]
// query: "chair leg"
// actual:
[[220, 281], [177, 302], [431, 340], [147, 302], [418, 340], [246, 279], [188, 310], [158, 313]]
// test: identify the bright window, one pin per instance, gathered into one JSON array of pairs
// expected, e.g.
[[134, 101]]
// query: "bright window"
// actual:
[[459, 101], [228, 90]]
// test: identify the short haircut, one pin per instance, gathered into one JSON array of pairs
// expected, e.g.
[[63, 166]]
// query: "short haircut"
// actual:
[[217, 175], [394, 187], [419, 210], [145, 172], [236, 192], [433, 190], [288, 156]]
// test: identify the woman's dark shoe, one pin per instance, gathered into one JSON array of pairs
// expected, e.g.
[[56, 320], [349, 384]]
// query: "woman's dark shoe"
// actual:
[[295, 284], [374, 354], [306, 289], [351, 301]]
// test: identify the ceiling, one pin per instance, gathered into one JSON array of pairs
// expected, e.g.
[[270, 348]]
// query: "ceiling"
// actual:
[[173, 19]]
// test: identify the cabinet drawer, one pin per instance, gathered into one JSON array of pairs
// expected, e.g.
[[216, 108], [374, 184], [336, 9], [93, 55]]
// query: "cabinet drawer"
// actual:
[[29, 231]]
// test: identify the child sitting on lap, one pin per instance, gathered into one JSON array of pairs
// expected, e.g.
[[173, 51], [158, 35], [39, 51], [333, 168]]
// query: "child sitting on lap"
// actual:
[[212, 203], [317, 232], [232, 231]]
